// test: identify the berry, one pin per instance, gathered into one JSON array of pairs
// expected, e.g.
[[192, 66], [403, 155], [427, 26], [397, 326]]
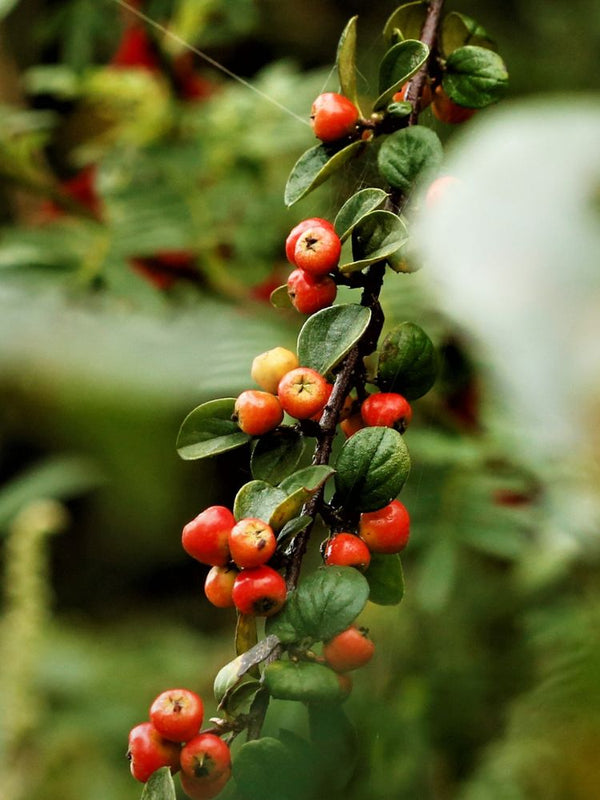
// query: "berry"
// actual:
[[294, 234], [386, 530], [177, 714], [438, 189], [333, 117], [257, 412], [203, 788], [149, 751], [352, 424], [303, 392], [426, 96], [349, 650], [448, 111], [309, 294], [219, 585], [206, 538], [251, 542], [388, 409], [206, 760], [269, 367], [259, 591], [347, 550], [318, 251]]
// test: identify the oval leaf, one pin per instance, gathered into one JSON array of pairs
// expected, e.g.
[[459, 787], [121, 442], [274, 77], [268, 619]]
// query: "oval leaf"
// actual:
[[299, 487], [209, 430], [475, 77], [328, 601], [386, 579], [233, 672], [257, 499], [459, 30], [279, 298], [399, 64], [371, 469], [276, 455], [269, 769], [315, 166], [328, 335], [159, 786], [346, 61], [294, 526], [304, 681], [408, 19], [408, 362], [409, 155], [374, 238], [355, 208]]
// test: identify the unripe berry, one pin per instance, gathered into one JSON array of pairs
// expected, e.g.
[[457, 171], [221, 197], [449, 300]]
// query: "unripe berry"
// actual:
[[309, 294], [269, 367], [333, 117], [257, 412], [318, 251]]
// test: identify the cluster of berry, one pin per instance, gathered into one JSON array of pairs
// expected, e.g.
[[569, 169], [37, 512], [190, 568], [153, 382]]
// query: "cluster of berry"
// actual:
[[172, 739]]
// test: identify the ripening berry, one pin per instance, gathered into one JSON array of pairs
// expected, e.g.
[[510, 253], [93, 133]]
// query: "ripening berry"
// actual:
[[318, 251], [303, 392], [257, 412], [349, 650], [269, 367], [448, 111], [252, 542], [294, 234], [333, 117], [309, 294]]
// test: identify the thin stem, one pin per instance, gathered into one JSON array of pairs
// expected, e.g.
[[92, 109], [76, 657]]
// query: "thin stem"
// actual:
[[429, 34]]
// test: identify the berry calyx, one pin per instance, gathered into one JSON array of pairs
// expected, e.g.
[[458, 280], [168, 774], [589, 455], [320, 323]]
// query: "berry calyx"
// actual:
[[349, 650], [259, 591], [206, 537], [386, 530], [347, 550], [310, 294], [252, 542], [257, 412], [218, 586], [177, 714], [149, 751], [206, 758], [294, 234], [318, 251], [333, 117], [268, 368], [388, 409], [303, 392]]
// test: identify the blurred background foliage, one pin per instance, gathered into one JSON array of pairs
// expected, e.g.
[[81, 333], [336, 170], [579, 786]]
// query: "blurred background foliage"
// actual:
[[141, 200]]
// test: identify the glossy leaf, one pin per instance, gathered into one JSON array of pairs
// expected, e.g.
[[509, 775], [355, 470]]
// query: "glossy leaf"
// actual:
[[459, 30], [276, 455], [279, 298], [299, 487], [232, 673], [159, 786], [408, 19], [399, 64], [375, 237], [475, 77], [315, 166], [328, 335], [209, 430], [257, 499], [409, 155], [355, 208], [294, 526], [386, 579], [371, 469], [346, 61], [269, 769], [304, 681], [408, 362]]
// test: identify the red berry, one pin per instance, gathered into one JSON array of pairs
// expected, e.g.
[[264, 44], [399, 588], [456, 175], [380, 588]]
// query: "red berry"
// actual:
[[252, 542], [259, 591], [352, 424], [206, 759], [349, 650], [388, 409], [294, 234], [257, 412], [203, 788], [206, 538], [218, 586], [347, 550], [426, 96], [386, 530], [309, 294], [149, 751], [333, 117], [303, 392], [318, 251], [448, 111], [177, 714]]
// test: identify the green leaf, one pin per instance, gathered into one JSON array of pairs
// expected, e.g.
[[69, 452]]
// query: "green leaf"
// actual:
[[327, 336], [304, 681], [346, 61], [257, 499], [399, 64], [279, 298], [276, 455], [399, 110], [209, 430], [159, 786], [409, 155], [408, 19], [6, 6], [232, 673], [335, 743], [408, 362], [459, 30], [475, 77], [299, 487], [355, 208], [324, 604], [371, 469], [246, 634], [386, 579], [315, 166], [294, 526], [267, 769], [374, 238]]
